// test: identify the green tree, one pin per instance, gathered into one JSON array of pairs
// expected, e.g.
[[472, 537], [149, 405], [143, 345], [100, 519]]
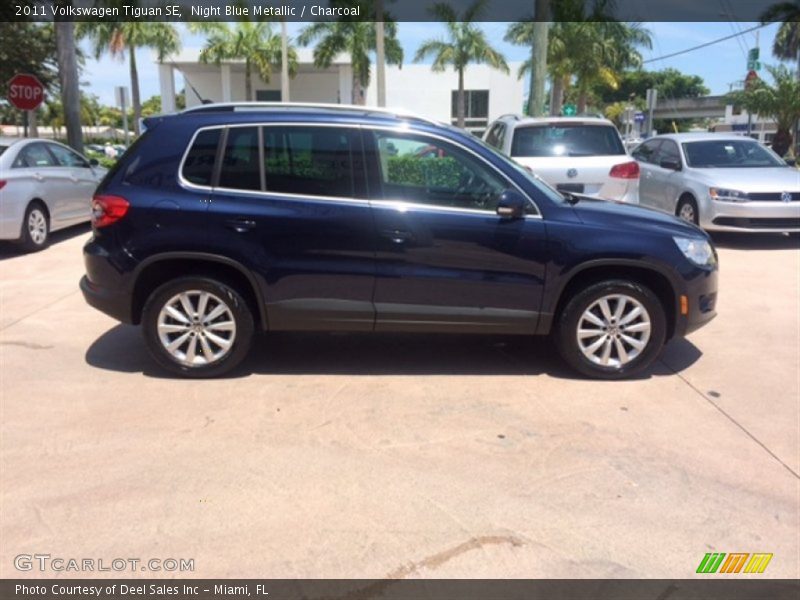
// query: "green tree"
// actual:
[[356, 39], [120, 38], [251, 42], [779, 101], [670, 83], [787, 40], [465, 43]]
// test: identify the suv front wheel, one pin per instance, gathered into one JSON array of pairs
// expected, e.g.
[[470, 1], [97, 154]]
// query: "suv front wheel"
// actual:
[[612, 329], [197, 326]]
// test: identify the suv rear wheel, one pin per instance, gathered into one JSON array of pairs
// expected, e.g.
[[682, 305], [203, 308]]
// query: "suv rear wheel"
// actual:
[[197, 326], [612, 329]]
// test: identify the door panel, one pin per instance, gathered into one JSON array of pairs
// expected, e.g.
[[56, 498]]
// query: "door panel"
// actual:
[[314, 254], [445, 260], [645, 155]]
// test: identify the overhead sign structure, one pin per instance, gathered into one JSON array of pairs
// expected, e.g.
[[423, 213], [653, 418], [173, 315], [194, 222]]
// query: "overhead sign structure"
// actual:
[[25, 91]]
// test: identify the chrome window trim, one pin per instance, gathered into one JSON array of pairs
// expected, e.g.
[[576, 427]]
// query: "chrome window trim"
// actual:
[[400, 129]]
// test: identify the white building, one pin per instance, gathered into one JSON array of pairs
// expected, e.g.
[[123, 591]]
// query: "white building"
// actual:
[[414, 87]]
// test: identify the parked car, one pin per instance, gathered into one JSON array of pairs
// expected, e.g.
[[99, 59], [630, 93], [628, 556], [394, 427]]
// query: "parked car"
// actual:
[[720, 182], [582, 155], [219, 222], [44, 186]]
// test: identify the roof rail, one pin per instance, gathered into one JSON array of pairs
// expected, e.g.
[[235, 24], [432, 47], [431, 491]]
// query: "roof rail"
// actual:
[[252, 106]]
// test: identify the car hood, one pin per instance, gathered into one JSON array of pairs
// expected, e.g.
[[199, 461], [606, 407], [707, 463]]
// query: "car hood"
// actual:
[[770, 179], [626, 217]]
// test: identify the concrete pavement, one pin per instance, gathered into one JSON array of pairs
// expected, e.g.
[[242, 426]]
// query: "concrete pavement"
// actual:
[[400, 456]]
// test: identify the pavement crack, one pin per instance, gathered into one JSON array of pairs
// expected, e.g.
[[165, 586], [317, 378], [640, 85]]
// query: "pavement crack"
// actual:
[[731, 419], [38, 310]]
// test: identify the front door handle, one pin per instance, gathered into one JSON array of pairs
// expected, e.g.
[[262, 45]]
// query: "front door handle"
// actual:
[[240, 225], [398, 236]]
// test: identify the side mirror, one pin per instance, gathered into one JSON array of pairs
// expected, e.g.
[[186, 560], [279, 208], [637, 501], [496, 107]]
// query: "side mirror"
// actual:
[[673, 165], [511, 205], [93, 162], [792, 162]]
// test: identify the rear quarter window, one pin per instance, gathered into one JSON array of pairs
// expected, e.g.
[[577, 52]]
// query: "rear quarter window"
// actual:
[[198, 166]]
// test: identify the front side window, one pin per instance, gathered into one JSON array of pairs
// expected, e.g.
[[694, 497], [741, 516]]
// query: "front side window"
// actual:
[[34, 155], [316, 161], [198, 167], [729, 154], [240, 161], [66, 157], [566, 140], [668, 151], [420, 170]]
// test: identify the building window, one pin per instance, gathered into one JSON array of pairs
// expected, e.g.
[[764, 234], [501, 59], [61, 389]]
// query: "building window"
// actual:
[[476, 108], [268, 95]]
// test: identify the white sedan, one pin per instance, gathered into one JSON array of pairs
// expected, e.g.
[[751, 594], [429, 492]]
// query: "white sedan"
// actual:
[[44, 186]]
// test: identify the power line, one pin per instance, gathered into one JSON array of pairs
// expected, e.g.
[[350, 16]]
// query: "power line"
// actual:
[[711, 43]]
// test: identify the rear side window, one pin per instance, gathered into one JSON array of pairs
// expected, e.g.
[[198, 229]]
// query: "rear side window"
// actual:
[[198, 167], [316, 161], [566, 140], [240, 162]]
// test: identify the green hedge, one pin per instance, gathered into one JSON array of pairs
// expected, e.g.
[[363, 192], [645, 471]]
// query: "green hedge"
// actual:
[[442, 172]]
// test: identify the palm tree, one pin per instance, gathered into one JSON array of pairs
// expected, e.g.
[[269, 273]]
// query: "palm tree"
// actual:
[[119, 38], [592, 52], [252, 42], [68, 77], [787, 40], [357, 39], [779, 101], [466, 43]]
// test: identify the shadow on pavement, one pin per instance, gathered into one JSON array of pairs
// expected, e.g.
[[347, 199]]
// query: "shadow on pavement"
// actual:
[[755, 241], [12, 250], [122, 349]]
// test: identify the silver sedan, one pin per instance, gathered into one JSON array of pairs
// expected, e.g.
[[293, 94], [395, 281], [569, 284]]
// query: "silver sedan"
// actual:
[[44, 186], [719, 182]]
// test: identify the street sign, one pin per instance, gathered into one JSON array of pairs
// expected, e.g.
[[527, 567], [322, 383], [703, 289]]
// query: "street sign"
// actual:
[[569, 110], [25, 91], [753, 65], [752, 54], [751, 78], [639, 117]]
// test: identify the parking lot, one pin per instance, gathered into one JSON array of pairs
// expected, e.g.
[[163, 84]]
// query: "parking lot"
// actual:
[[401, 456]]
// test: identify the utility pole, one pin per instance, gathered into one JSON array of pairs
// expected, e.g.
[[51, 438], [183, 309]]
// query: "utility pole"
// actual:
[[541, 29], [284, 63], [380, 54]]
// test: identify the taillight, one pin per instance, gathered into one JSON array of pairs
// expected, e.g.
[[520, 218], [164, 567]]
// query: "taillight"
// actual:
[[108, 209], [2, 183], [628, 170]]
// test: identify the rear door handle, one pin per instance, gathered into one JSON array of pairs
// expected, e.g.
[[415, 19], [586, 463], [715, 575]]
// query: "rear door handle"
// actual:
[[398, 236], [240, 225]]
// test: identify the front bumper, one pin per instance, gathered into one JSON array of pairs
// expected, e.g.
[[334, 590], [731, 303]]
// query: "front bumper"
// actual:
[[751, 216], [701, 302]]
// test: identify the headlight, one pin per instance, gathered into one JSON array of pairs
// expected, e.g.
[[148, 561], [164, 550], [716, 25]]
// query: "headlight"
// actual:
[[697, 250], [725, 195]]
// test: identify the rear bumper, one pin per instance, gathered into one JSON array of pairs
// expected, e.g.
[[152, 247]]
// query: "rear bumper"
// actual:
[[114, 303]]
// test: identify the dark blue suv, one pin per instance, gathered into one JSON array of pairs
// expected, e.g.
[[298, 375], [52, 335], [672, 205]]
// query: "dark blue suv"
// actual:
[[225, 220]]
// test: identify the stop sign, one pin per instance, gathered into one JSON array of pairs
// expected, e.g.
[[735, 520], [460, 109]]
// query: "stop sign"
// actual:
[[25, 91]]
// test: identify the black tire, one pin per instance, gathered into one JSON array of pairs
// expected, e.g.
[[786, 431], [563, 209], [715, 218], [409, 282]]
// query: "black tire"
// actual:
[[30, 240], [238, 309], [689, 205], [566, 334]]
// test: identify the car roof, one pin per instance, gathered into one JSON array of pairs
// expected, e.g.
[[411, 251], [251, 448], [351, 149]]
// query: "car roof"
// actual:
[[8, 140], [703, 137], [576, 120]]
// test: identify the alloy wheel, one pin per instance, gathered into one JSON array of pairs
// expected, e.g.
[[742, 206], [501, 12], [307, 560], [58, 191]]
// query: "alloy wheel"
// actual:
[[687, 212], [614, 330], [196, 328], [37, 226]]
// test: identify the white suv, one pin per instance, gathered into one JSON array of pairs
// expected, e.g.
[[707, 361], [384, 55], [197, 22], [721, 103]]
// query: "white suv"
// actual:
[[581, 155]]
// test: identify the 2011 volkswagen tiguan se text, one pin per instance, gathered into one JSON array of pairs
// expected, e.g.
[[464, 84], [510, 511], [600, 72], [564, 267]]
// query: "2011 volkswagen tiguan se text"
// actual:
[[224, 220]]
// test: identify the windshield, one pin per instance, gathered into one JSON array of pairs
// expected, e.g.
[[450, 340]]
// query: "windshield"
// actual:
[[566, 140], [534, 179], [729, 154]]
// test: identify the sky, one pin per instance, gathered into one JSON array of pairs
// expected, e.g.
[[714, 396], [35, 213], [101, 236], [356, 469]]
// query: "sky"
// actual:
[[719, 65]]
